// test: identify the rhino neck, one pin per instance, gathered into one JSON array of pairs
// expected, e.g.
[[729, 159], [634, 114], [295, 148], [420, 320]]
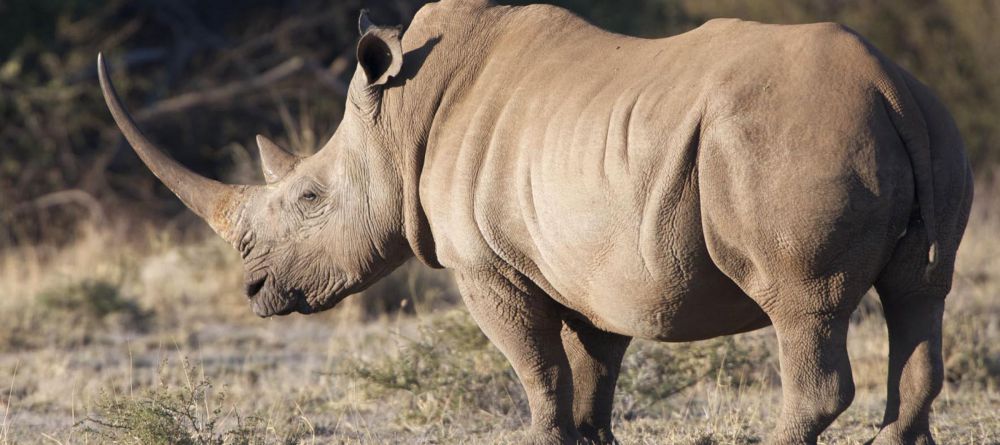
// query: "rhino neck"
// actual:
[[443, 49]]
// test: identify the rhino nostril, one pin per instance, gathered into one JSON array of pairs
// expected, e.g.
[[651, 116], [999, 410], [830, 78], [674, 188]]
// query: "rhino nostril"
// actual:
[[254, 287]]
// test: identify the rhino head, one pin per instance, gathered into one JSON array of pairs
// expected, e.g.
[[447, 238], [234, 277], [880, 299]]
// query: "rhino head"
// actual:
[[322, 227]]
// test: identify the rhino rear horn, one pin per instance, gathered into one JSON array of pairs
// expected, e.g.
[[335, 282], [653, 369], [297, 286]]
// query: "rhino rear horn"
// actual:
[[364, 23], [274, 160], [218, 204]]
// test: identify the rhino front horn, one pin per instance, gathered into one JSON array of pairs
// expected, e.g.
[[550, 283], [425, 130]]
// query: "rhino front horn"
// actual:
[[217, 203], [274, 160]]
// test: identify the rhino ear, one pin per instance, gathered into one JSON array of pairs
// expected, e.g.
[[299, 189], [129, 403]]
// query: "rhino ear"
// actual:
[[274, 160], [380, 52]]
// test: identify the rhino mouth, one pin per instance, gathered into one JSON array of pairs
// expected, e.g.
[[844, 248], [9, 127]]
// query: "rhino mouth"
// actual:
[[267, 302], [270, 304], [254, 286]]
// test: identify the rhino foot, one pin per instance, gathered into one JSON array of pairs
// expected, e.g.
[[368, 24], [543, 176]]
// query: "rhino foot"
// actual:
[[556, 436], [598, 436], [889, 436]]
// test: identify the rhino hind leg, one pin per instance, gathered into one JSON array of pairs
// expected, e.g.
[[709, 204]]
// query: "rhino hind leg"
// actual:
[[595, 357], [913, 309], [916, 368], [816, 376], [913, 302]]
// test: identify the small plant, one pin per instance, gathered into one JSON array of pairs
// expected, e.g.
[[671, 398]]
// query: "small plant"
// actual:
[[191, 414], [163, 416]]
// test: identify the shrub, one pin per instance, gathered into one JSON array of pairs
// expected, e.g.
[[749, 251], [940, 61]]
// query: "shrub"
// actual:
[[449, 369], [191, 414], [92, 303], [72, 314], [653, 372], [971, 351]]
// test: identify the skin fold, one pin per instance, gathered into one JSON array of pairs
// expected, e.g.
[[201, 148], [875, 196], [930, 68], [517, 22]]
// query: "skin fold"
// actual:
[[587, 188]]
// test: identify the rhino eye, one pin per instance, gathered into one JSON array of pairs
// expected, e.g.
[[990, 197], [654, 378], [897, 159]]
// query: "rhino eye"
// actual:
[[308, 196]]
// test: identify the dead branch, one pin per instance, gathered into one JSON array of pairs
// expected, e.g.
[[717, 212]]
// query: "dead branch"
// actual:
[[61, 198], [223, 93]]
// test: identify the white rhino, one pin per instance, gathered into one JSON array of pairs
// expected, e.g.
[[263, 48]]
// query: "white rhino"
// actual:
[[588, 187]]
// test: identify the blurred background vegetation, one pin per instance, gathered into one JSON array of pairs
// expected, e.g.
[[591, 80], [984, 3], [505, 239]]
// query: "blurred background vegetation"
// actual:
[[204, 77]]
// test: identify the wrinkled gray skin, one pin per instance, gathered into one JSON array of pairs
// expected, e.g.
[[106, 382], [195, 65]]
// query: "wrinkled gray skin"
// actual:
[[588, 187]]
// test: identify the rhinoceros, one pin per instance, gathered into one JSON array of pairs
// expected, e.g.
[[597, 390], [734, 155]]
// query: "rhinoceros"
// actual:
[[588, 188]]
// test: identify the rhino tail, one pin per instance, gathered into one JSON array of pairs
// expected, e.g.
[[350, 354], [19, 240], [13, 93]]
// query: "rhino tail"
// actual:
[[912, 128]]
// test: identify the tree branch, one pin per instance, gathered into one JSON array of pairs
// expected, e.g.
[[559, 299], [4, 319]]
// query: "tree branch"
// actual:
[[223, 93]]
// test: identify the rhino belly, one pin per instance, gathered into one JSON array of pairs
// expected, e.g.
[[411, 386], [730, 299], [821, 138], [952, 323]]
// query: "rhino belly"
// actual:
[[702, 306]]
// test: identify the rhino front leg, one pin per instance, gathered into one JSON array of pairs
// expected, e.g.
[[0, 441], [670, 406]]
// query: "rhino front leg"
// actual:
[[595, 357], [526, 328]]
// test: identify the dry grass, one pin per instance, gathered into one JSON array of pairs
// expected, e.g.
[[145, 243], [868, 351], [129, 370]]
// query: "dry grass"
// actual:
[[151, 342]]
